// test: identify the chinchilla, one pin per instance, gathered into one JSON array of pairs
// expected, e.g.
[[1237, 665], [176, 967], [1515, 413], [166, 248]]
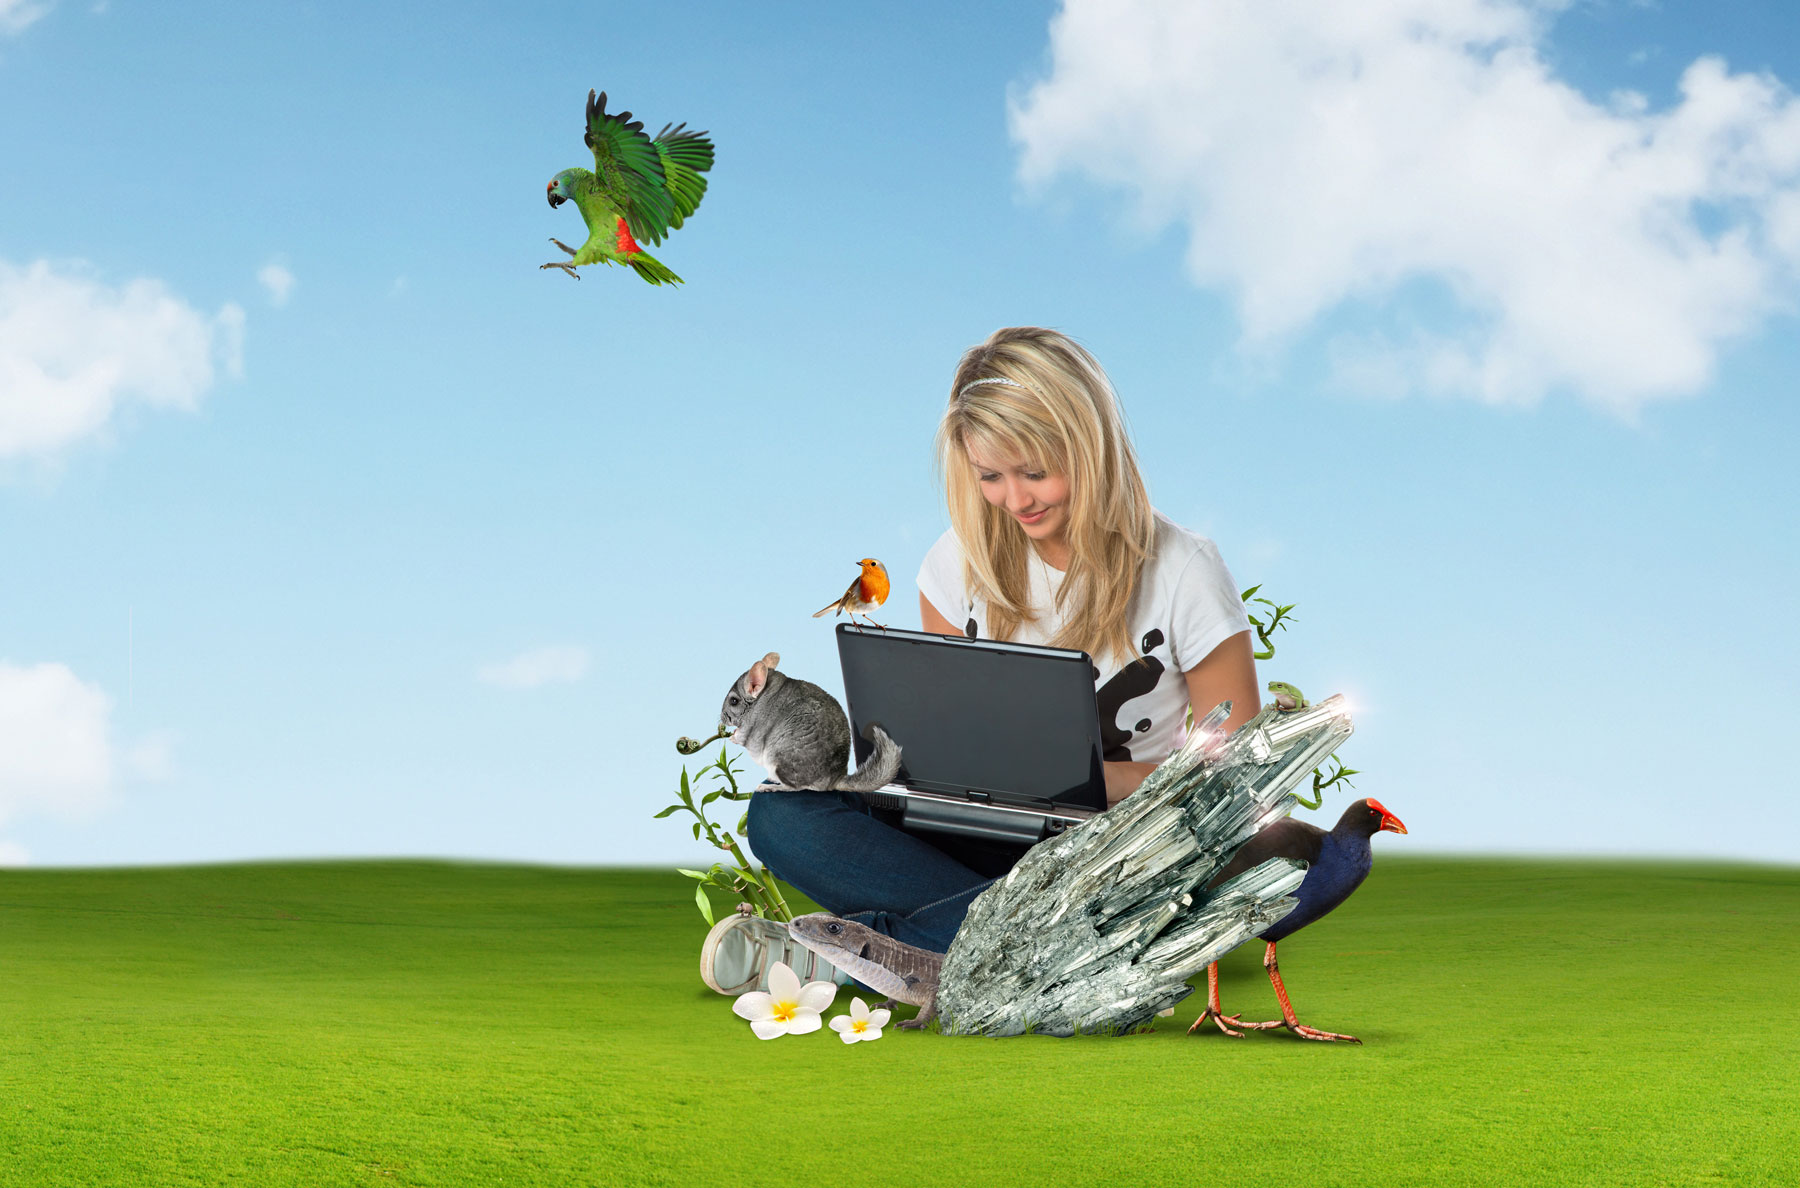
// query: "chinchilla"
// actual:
[[798, 732]]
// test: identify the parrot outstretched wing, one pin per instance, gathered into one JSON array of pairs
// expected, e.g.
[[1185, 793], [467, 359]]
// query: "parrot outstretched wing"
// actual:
[[685, 156], [655, 184]]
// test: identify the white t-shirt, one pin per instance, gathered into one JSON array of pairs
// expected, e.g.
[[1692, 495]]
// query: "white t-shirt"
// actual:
[[1186, 605]]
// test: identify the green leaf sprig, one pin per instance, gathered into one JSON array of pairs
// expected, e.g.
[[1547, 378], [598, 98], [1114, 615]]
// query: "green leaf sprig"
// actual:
[[1279, 617], [1265, 630], [1320, 783], [747, 882]]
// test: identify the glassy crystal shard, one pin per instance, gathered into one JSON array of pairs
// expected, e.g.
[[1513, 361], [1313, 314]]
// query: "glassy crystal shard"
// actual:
[[1098, 929]]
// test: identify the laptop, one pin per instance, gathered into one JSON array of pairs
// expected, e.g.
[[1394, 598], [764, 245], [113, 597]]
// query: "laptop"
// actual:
[[998, 741]]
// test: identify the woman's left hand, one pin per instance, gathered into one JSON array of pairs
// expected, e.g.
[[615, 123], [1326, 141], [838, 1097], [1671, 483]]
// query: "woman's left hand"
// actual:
[[1122, 779]]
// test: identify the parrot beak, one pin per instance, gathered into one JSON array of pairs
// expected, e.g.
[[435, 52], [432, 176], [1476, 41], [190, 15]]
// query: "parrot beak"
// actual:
[[556, 199]]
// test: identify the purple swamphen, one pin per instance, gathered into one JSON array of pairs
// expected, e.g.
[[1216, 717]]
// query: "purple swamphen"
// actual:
[[1337, 863]]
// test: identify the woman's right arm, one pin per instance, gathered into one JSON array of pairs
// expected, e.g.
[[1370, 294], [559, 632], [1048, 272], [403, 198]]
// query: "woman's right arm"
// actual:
[[932, 621]]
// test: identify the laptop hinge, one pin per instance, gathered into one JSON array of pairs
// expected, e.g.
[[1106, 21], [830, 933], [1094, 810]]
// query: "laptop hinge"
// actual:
[[973, 820]]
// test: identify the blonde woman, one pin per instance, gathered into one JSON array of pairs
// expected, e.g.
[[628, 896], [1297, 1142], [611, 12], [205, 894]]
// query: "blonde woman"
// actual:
[[1052, 540]]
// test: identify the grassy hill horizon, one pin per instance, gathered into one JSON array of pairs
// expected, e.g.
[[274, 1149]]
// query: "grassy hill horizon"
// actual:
[[415, 1021]]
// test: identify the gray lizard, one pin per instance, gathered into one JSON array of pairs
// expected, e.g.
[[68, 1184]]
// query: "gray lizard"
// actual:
[[901, 972]]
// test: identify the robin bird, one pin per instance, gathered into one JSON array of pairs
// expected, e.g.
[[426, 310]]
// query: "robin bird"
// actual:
[[866, 593], [1337, 863]]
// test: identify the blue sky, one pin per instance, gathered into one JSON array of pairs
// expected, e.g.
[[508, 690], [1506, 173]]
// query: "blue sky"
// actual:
[[332, 526]]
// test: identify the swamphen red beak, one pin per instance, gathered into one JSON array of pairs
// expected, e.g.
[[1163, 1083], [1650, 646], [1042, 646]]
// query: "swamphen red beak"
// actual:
[[1389, 822]]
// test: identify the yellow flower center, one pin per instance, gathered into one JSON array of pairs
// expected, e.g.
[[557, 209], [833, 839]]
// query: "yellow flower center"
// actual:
[[859, 1025], [785, 1011]]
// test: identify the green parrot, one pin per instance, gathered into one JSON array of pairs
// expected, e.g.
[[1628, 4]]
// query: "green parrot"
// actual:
[[640, 189]]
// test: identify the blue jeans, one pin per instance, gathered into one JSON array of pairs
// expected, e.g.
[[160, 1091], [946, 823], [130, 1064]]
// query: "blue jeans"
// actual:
[[855, 862]]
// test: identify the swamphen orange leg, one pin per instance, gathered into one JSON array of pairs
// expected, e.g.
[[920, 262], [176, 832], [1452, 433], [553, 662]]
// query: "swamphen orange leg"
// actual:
[[1212, 1010], [1287, 1019]]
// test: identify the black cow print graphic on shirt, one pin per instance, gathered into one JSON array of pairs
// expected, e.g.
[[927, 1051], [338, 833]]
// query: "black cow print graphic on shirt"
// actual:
[[1134, 680]]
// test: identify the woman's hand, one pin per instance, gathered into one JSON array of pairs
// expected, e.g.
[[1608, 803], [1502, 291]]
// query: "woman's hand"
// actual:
[[1122, 779]]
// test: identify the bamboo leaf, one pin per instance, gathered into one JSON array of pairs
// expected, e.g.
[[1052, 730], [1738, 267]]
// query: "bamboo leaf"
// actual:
[[703, 902], [692, 874], [672, 808]]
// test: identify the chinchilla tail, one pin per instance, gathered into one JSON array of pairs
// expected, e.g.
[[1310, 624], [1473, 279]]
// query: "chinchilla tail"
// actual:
[[880, 770]]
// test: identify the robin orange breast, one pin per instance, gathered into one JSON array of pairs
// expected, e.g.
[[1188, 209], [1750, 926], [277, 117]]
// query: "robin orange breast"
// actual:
[[868, 591]]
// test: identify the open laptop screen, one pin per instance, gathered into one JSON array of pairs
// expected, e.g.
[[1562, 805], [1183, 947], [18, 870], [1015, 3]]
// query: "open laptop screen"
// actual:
[[1013, 722]]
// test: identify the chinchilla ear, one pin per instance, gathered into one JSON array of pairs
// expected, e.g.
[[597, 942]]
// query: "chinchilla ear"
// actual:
[[759, 673]]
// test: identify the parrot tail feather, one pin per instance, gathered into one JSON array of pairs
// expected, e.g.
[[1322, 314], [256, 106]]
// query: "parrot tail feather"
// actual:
[[652, 269]]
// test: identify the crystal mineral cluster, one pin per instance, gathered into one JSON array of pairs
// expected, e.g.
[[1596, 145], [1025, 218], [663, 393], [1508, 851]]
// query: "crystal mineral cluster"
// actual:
[[1097, 930]]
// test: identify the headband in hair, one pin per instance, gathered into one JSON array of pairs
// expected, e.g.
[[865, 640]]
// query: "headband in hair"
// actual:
[[993, 379]]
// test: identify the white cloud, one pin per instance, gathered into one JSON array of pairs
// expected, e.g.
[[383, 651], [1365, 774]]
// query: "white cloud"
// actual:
[[73, 350], [277, 281], [55, 756], [544, 666], [1322, 153], [15, 15]]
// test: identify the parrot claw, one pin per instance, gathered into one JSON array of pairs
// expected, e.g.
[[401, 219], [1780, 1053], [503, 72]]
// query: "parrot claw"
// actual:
[[566, 267], [559, 243]]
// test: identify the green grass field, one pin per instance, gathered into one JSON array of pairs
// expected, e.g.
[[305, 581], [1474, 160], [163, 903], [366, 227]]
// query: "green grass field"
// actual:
[[442, 1024]]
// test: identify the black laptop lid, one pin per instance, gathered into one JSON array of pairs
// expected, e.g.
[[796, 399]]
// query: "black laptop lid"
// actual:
[[1015, 723]]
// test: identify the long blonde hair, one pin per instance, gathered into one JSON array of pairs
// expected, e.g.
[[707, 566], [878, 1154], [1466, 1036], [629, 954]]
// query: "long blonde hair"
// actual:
[[1064, 416]]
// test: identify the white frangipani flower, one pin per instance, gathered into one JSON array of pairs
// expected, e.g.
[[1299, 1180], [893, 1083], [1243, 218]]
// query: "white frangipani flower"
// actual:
[[787, 1008], [861, 1023]]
